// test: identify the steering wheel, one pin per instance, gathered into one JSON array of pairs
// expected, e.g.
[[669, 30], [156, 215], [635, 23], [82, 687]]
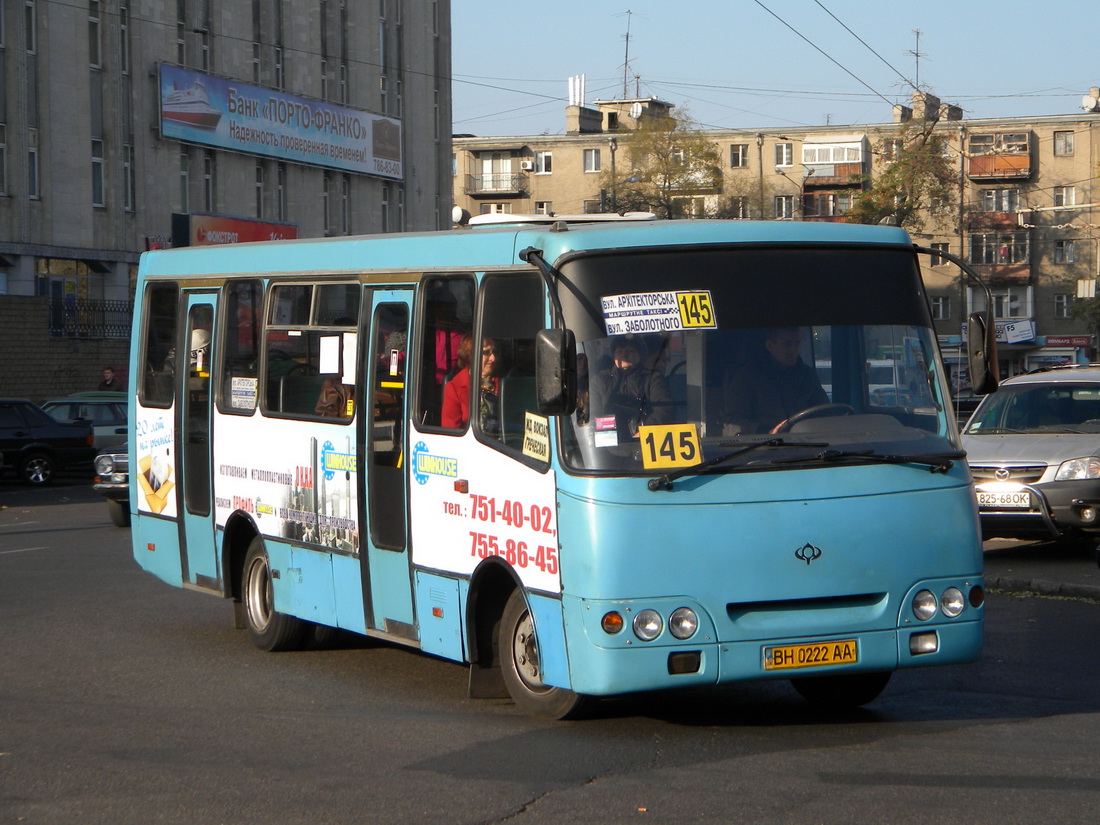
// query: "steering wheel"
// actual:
[[820, 411]]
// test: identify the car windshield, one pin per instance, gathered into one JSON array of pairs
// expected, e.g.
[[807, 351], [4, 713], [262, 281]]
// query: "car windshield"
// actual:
[[785, 351], [1061, 407]]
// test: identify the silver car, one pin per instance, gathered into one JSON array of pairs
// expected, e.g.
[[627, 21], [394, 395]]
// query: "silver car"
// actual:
[[1034, 450]]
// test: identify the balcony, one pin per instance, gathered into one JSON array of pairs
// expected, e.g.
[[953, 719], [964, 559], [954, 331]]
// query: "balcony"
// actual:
[[1004, 274], [496, 185], [994, 221], [832, 174], [999, 167]]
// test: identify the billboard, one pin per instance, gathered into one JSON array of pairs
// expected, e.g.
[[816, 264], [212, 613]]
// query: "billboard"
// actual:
[[198, 229], [215, 111]]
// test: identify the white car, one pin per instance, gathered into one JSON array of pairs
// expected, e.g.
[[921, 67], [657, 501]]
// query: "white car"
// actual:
[[1034, 450]]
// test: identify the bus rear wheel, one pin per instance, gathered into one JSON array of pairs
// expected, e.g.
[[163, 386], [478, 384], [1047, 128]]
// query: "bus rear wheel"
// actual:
[[521, 667], [269, 630], [848, 690]]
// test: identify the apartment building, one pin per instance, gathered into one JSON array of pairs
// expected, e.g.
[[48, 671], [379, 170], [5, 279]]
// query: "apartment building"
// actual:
[[1025, 215], [129, 125]]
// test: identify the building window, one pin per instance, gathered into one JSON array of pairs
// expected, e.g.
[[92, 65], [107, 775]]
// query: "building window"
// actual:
[[827, 153], [1063, 252], [938, 260], [3, 159], [941, 307], [891, 149], [209, 202], [688, 208], [1000, 200], [185, 182], [326, 203], [544, 208], [784, 154], [827, 204], [280, 191], [259, 189], [1063, 143], [496, 209], [129, 184], [739, 155], [124, 37], [1006, 143], [1061, 305], [544, 163], [591, 160], [32, 173], [592, 207], [181, 32], [30, 20], [94, 57], [345, 204], [257, 51], [784, 206], [1009, 303], [1000, 248], [1065, 195], [385, 207]]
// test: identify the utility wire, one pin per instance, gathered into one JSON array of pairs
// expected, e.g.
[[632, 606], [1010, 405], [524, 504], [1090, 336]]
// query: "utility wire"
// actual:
[[824, 53], [861, 40]]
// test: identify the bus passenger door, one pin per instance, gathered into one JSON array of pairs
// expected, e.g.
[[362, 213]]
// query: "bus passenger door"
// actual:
[[193, 443], [386, 571]]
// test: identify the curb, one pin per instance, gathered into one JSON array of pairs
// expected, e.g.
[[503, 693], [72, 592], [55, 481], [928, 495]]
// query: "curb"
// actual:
[[1043, 587]]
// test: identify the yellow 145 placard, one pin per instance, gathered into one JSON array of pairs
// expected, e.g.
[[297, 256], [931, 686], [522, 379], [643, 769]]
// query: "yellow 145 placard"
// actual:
[[670, 445]]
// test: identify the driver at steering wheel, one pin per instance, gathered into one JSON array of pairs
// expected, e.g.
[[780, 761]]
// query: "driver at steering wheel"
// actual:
[[759, 397]]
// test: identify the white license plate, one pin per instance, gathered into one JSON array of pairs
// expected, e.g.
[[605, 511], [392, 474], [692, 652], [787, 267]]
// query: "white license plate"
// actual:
[[1005, 501]]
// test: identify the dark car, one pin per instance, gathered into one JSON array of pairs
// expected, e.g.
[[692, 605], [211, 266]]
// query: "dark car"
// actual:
[[36, 445], [112, 479], [105, 411]]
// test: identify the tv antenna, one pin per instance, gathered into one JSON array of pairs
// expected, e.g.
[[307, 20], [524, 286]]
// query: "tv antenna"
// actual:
[[626, 57], [917, 55]]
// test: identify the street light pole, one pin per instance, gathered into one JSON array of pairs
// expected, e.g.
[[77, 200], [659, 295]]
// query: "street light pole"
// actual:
[[613, 144]]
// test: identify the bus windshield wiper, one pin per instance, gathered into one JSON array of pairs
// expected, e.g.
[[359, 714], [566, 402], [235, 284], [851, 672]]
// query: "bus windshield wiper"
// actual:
[[664, 482], [938, 463]]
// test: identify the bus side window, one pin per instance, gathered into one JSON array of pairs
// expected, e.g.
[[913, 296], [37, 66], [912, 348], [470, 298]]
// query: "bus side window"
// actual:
[[512, 314], [240, 352], [448, 315], [310, 344], [161, 311]]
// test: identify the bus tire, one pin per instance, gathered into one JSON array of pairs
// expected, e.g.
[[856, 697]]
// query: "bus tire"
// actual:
[[119, 512], [521, 668], [269, 630], [847, 690]]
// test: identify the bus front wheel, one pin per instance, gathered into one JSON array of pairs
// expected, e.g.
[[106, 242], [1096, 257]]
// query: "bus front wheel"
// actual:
[[848, 690], [522, 667], [270, 630]]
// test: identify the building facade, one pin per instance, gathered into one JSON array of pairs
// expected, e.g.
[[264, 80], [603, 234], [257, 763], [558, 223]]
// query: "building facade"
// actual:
[[1025, 214], [132, 124]]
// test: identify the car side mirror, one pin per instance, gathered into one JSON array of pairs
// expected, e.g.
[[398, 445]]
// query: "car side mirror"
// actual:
[[555, 371], [981, 353]]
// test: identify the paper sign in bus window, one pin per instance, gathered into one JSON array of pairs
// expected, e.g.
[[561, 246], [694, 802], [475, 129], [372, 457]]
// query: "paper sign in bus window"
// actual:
[[647, 312]]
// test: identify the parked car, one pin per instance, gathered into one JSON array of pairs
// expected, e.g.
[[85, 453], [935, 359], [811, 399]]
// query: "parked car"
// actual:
[[105, 411], [112, 479], [1034, 450], [36, 445]]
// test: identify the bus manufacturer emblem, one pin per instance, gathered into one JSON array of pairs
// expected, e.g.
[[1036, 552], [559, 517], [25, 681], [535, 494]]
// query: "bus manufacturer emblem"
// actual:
[[807, 553]]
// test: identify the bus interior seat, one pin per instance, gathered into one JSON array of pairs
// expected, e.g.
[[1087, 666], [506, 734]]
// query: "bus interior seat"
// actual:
[[517, 398]]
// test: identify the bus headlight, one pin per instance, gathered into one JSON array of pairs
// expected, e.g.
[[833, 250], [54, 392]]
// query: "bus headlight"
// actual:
[[952, 602], [924, 605], [648, 625], [683, 623]]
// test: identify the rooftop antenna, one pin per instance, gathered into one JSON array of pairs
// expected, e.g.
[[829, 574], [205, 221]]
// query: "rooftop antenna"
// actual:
[[917, 55], [626, 56]]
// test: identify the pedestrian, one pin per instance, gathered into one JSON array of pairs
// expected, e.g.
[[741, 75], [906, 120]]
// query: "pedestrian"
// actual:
[[109, 382]]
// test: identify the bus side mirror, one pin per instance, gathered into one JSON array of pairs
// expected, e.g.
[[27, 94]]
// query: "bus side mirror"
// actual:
[[981, 353], [556, 371]]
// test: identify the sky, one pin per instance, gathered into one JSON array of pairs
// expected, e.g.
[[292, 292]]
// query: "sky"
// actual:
[[768, 64]]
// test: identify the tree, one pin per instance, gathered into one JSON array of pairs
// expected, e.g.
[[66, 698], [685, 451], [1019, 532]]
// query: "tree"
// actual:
[[918, 179], [665, 161]]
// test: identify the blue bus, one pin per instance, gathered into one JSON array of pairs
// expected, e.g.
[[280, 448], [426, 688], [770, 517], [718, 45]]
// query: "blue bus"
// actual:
[[584, 459]]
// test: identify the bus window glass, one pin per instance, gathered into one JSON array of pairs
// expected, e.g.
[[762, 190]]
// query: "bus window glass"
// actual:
[[387, 488], [241, 346], [158, 352], [512, 314], [336, 305], [448, 320], [310, 369], [836, 358]]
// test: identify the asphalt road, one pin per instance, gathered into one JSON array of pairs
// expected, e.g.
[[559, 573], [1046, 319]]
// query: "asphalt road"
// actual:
[[124, 700]]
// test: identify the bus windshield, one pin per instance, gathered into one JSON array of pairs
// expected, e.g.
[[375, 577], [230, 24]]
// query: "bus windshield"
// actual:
[[791, 352]]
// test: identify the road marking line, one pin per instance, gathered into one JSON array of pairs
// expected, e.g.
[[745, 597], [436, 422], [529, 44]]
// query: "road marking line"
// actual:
[[21, 550]]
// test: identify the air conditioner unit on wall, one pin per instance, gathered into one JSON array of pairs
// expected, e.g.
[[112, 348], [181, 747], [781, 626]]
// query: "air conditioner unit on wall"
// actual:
[[527, 165]]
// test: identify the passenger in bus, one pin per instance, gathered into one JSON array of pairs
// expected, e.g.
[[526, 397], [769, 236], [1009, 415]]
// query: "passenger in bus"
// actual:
[[630, 390], [335, 398], [456, 392], [760, 396]]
